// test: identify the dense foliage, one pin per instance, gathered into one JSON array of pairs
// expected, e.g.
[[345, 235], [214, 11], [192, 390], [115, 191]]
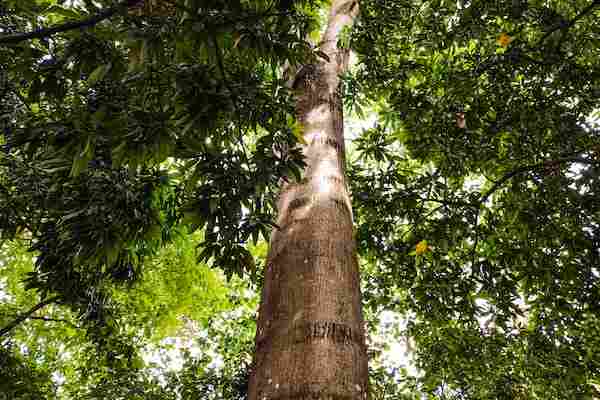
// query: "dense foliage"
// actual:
[[142, 140], [179, 329], [488, 150], [124, 125], [117, 133]]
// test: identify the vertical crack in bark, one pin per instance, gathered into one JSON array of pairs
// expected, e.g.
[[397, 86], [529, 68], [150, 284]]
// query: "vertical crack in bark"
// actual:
[[310, 341]]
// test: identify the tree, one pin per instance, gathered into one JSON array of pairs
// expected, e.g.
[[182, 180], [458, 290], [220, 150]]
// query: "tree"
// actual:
[[474, 194], [310, 340], [51, 356]]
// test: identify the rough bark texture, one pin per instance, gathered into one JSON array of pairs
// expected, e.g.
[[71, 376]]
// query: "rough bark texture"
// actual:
[[310, 341]]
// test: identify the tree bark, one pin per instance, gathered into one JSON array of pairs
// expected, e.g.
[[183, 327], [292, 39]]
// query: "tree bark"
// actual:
[[310, 340]]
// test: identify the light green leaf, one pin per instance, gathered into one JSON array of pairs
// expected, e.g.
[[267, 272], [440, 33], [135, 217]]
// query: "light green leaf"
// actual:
[[98, 74]]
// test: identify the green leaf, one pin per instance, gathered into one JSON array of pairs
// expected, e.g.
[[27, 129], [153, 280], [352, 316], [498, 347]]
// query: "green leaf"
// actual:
[[64, 12], [98, 74], [297, 131]]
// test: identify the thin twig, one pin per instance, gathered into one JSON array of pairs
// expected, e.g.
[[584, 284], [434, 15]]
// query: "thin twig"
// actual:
[[476, 241], [456, 203], [532, 167], [49, 319], [28, 314], [508, 176]]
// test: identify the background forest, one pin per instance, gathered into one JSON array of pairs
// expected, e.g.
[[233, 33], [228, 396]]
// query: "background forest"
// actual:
[[143, 144]]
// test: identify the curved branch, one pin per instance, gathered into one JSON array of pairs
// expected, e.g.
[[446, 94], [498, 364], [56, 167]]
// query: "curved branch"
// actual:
[[509, 175], [527, 168], [46, 32], [28, 314], [569, 24]]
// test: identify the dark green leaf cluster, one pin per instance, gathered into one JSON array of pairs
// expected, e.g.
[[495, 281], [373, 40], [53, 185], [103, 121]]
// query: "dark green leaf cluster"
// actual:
[[22, 380], [147, 117]]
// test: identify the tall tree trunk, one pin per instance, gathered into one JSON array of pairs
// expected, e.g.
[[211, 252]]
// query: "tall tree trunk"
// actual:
[[310, 341]]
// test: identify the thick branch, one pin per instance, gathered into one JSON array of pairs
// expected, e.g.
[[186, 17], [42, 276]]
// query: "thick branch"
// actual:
[[27, 314], [68, 26]]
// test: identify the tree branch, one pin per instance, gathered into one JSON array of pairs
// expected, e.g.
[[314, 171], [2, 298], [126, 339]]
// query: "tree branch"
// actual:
[[532, 167], [48, 319], [220, 63], [46, 32], [28, 314], [568, 25], [508, 176], [504, 179], [452, 203]]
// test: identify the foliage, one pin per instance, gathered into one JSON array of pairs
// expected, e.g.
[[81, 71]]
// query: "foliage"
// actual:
[[487, 150], [116, 133], [173, 285], [153, 136], [50, 355], [21, 379]]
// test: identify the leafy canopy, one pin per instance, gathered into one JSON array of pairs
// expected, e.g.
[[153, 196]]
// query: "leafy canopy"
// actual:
[[486, 149], [475, 194], [150, 117]]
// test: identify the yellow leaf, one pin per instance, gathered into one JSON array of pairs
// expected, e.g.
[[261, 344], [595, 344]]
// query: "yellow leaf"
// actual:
[[504, 39], [421, 247]]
